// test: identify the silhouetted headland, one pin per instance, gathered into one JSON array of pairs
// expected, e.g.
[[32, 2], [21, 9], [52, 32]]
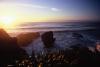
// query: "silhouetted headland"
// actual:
[[9, 49]]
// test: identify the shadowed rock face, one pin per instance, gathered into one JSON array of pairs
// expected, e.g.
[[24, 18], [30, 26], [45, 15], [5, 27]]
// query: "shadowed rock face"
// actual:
[[26, 39], [5, 39], [9, 49], [48, 39], [4, 36]]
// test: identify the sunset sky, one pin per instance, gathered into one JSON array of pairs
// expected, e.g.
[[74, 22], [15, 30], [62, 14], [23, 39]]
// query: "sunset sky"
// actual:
[[25, 11]]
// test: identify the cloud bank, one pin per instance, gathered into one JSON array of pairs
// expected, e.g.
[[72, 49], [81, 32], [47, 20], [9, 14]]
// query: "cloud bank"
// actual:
[[28, 5]]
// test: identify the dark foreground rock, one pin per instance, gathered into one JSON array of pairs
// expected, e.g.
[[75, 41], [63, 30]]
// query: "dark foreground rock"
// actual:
[[9, 49]]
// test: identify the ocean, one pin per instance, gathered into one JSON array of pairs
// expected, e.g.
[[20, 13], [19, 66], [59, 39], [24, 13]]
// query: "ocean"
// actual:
[[63, 33], [54, 26]]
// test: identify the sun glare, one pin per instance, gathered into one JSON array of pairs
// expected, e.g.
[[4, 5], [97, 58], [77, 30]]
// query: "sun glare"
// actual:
[[7, 21]]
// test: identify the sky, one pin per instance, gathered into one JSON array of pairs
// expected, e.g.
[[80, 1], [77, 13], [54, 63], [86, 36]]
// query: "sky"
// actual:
[[24, 11]]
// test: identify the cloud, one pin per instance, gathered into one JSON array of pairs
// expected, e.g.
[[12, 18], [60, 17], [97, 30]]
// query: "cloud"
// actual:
[[55, 9], [29, 6], [33, 6], [21, 5]]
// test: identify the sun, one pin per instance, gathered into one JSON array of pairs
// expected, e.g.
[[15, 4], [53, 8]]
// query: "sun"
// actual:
[[7, 21]]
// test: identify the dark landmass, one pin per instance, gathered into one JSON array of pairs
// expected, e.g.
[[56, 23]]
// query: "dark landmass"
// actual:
[[9, 49]]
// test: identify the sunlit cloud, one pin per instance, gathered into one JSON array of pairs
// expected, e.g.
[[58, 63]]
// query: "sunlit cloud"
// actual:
[[55, 9], [22, 5], [28, 5]]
